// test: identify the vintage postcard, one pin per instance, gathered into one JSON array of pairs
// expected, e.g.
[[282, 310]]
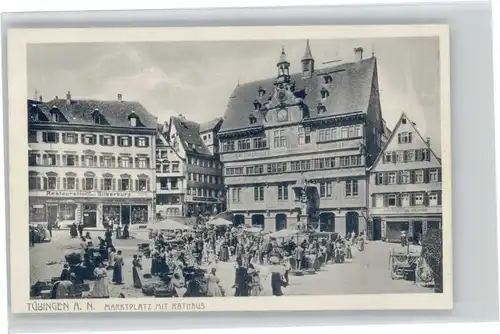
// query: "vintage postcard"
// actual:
[[178, 169]]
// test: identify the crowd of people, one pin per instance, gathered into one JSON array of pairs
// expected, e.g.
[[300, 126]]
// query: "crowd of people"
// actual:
[[187, 261]]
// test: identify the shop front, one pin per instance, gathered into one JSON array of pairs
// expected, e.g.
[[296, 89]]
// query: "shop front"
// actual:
[[196, 205], [95, 209]]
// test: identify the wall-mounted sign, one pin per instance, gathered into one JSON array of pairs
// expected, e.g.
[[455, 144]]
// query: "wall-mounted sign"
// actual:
[[83, 193]]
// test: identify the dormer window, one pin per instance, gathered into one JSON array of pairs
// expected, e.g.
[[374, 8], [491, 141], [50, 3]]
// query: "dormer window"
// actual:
[[133, 118], [98, 117], [261, 91], [54, 114], [257, 105], [324, 93], [327, 78], [403, 121], [321, 108], [252, 119]]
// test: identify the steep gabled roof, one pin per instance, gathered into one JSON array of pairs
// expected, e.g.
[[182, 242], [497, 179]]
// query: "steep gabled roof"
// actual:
[[189, 135], [393, 134], [349, 91], [115, 112], [212, 125]]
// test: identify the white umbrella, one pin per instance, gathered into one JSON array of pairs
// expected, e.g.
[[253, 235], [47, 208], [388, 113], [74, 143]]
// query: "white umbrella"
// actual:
[[168, 224], [220, 222], [252, 229], [284, 233]]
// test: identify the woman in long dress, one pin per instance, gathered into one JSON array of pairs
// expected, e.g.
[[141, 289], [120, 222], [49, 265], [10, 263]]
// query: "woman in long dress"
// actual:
[[118, 268], [101, 288], [137, 272], [255, 284], [277, 273], [361, 243], [177, 285], [214, 289], [111, 258]]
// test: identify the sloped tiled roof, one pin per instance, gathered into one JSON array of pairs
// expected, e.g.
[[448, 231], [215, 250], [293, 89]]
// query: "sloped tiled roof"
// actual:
[[349, 91], [189, 135], [210, 125], [115, 112]]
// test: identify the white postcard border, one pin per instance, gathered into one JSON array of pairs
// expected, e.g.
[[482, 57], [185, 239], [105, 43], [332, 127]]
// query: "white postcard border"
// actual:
[[17, 41]]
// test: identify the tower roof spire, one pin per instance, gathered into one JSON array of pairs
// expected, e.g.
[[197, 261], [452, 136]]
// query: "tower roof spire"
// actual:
[[283, 56], [307, 52]]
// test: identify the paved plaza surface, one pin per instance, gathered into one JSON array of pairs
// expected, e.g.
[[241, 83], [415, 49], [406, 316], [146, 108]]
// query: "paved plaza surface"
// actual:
[[367, 273]]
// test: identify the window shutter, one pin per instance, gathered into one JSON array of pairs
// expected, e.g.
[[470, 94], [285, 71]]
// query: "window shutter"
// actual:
[[113, 184], [385, 199], [136, 188], [64, 137], [45, 183], [136, 141], [412, 176], [58, 182], [386, 178], [426, 176], [57, 137], [147, 185], [84, 186], [147, 162], [136, 162], [44, 161], [44, 136], [65, 183], [76, 138], [102, 184], [101, 139], [94, 139], [147, 142], [64, 160], [95, 160], [131, 162], [95, 183], [58, 160], [76, 183]]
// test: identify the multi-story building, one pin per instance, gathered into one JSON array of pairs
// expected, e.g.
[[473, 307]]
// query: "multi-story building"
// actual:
[[405, 186], [197, 147], [91, 161], [311, 133], [170, 176]]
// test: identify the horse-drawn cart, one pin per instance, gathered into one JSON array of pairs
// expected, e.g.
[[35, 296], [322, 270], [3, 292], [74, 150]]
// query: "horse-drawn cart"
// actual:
[[410, 266]]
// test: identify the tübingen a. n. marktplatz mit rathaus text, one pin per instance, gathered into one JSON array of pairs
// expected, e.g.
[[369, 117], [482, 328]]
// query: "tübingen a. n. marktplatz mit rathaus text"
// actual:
[[298, 188]]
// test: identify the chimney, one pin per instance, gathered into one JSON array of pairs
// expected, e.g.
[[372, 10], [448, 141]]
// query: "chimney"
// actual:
[[57, 97], [68, 98], [40, 98], [428, 141], [120, 97], [358, 52]]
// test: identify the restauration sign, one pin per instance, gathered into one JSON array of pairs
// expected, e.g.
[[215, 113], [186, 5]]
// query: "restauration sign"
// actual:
[[90, 193]]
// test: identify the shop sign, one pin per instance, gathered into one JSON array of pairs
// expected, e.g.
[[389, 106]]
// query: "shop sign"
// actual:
[[88, 193]]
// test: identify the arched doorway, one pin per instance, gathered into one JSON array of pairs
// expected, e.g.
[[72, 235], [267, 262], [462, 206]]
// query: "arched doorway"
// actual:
[[280, 221], [327, 222], [258, 220], [239, 220], [352, 222]]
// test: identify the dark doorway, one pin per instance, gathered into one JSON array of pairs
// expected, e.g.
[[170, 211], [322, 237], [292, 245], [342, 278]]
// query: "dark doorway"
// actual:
[[52, 213], [89, 215], [280, 221], [258, 221], [352, 223], [417, 231], [377, 229], [125, 215], [239, 220], [327, 222]]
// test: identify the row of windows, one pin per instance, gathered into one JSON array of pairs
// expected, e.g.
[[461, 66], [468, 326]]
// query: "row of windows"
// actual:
[[296, 166], [404, 138], [409, 176], [341, 132], [88, 183], [204, 192], [407, 156], [89, 160], [325, 191], [88, 139], [244, 144], [168, 184], [204, 163], [280, 138], [167, 167], [204, 178], [406, 199]]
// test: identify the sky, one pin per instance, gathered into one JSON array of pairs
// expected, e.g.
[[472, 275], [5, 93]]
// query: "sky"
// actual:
[[196, 78]]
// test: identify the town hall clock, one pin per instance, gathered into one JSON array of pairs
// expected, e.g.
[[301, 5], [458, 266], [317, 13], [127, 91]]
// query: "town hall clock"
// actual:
[[282, 115]]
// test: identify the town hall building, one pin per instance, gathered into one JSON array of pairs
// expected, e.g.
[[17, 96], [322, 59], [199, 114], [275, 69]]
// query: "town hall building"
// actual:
[[305, 136]]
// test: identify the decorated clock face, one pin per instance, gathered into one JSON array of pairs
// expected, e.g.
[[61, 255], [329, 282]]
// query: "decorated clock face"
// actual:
[[282, 115]]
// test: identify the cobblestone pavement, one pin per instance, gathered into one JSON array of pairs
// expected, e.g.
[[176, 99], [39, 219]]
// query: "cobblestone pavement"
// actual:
[[367, 273]]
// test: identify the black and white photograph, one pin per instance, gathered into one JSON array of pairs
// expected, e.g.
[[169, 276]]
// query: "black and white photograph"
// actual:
[[195, 170]]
